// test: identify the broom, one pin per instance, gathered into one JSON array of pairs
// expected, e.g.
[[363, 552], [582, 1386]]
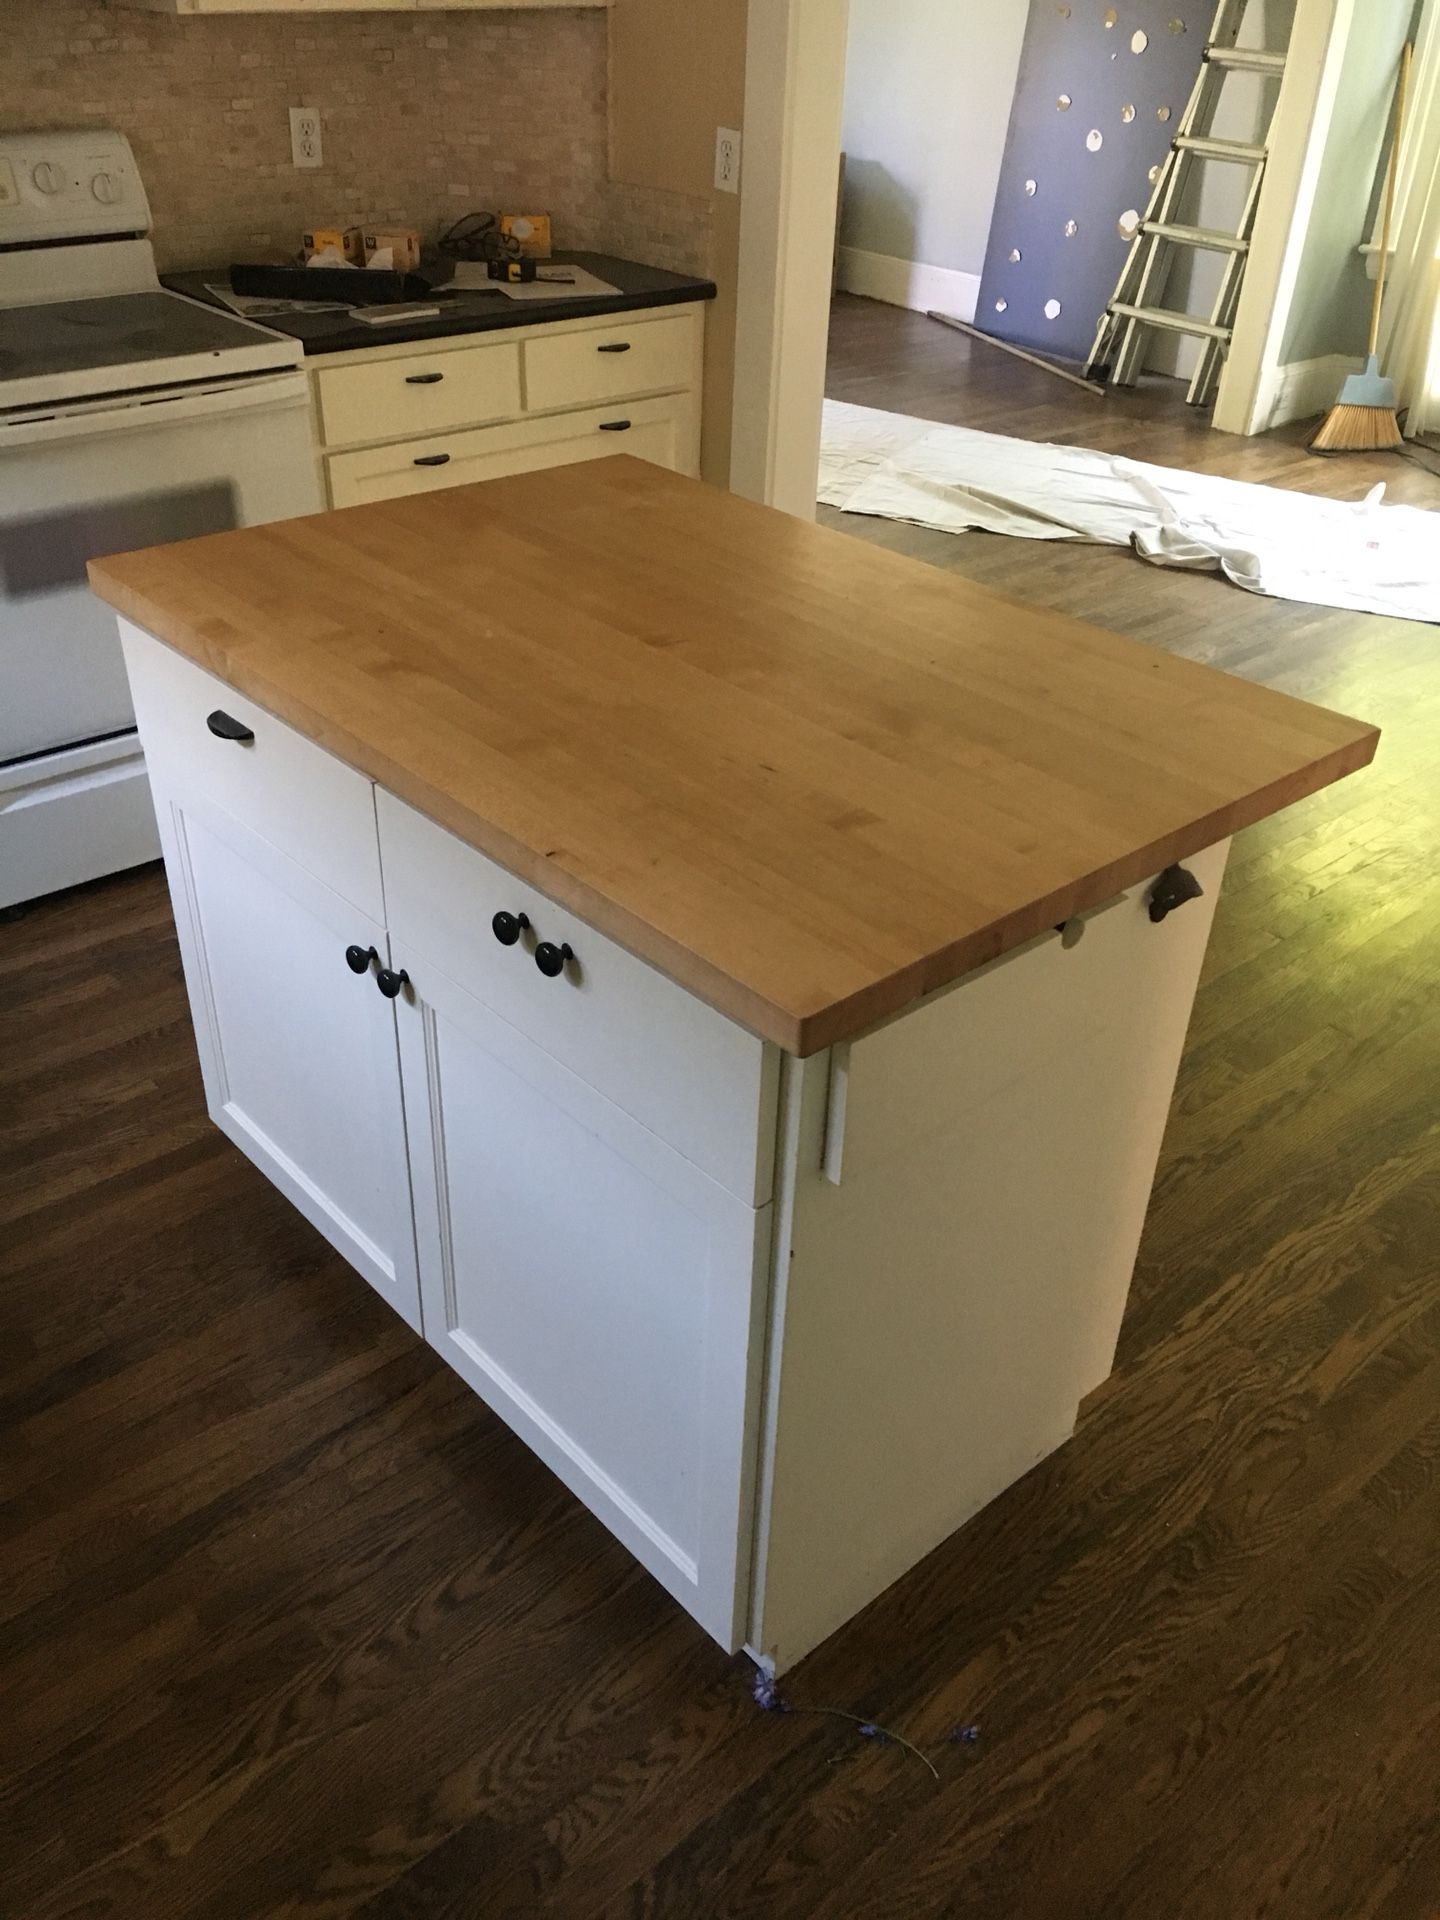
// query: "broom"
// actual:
[[1364, 419]]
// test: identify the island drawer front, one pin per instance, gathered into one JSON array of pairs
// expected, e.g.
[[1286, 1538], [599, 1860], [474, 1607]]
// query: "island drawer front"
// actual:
[[663, 431], [280, 785], [701, 1083], [586, 369], [418, 393]]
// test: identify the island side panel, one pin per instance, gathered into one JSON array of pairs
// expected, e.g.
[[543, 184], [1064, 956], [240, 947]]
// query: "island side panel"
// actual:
[[961, 1199]]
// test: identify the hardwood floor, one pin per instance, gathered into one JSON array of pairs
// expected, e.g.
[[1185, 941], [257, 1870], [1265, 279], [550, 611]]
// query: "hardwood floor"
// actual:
[[290, 1626]]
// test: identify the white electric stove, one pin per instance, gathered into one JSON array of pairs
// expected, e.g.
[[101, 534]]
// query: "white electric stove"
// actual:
[[129, 416]]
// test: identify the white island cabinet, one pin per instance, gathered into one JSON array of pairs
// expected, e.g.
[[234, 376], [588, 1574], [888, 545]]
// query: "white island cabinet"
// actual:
[[726, 992]]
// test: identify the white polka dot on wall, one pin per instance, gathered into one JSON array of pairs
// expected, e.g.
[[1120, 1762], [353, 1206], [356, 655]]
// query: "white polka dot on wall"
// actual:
[[1014, 256], [1162, 113], [1127, 113], [1062, 105], [1072, 227], [1030, 189], [1052, 309], [1094, 140], [1155, 173], [1001, 305], [1139, 41], [1129, 223]]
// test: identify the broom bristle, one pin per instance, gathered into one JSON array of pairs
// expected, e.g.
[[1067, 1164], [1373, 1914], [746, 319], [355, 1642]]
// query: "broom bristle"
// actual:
[[1358, 430]]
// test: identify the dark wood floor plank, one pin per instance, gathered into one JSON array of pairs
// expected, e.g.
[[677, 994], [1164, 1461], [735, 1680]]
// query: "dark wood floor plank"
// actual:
[[292, 1629]]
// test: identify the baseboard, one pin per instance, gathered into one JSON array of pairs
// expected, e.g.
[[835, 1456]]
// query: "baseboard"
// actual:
[[909, 283], [1302, 387]]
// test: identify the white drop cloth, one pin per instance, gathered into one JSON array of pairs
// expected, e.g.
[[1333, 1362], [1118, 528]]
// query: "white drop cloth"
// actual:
[[1331, 553]]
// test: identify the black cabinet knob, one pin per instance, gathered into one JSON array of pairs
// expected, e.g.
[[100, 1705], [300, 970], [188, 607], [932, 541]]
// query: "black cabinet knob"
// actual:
[[390, 983], [614, 346], [1175, 886], [508, 927], [614, 426], [423, 379], [361, 959], [432, 460], [225, 726], [551, 959]]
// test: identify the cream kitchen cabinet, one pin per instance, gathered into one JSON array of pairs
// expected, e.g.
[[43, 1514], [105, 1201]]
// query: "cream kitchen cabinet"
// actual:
[[599, 1288], [273, 883], [727, 989], [573, 1175], [400, 419], [591, 1284]]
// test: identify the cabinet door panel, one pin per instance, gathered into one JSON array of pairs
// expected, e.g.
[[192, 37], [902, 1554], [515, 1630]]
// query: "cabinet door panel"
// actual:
[[594, 1287], [298, 1052]]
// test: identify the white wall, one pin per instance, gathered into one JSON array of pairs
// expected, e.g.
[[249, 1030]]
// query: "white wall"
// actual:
[[1330, 312], [927, 103]]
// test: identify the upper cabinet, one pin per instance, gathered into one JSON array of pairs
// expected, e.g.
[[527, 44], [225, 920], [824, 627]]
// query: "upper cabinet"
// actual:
[[346, 6]]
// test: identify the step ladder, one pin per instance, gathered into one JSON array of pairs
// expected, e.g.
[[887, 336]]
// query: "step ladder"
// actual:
[[1138, 303]]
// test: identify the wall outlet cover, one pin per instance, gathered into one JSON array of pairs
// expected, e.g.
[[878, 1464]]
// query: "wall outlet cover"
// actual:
[[306, 148], [727, 160]]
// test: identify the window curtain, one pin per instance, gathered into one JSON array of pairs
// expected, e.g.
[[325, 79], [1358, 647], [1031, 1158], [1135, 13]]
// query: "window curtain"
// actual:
[[1413, 349]]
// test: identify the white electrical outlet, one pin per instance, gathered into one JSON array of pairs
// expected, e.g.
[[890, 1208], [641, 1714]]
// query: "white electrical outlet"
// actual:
[[727, 160], [306, 149]]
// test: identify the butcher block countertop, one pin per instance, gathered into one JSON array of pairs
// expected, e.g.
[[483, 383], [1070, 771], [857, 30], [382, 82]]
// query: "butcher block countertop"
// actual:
[[807, 778]]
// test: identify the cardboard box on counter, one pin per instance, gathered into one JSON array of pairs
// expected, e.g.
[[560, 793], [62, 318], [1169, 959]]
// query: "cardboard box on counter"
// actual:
[[402, 242], [348, 242]]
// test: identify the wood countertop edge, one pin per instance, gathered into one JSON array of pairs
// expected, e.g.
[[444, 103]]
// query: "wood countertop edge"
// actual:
[[795, 1032]]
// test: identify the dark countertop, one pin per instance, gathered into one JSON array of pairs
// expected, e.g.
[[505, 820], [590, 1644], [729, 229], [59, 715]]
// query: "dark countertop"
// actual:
[[484, 312]]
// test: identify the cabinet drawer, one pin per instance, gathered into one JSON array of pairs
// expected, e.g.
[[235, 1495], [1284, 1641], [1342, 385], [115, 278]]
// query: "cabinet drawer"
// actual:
[[280, 785], [607, 363], [663, 431], [419, 393], [704, 1085]]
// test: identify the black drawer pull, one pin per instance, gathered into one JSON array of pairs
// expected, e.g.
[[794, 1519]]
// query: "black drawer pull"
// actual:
[[361, 959], [390, 983], [614, 346], [1175, 886], [433, 460], [551, 959], [423, 379], [614, 426], [225, 726], [508, 927]]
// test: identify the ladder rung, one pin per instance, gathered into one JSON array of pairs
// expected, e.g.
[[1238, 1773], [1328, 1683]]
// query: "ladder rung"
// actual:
[[1219, 149], [1195, 236], [1172, 322], [1246, 59]]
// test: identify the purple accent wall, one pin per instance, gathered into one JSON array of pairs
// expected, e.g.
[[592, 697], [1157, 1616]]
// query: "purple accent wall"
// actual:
[[1070, 51]]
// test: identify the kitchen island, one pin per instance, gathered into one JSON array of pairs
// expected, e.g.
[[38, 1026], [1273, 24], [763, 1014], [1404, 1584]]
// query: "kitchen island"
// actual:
[[721, 982]]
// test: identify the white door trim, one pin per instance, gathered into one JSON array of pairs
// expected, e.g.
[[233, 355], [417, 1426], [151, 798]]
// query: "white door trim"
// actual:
[[794, 109]]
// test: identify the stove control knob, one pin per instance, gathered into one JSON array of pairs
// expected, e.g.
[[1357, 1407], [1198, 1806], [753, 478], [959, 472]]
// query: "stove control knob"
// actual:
[[48, 177], [106, 189]]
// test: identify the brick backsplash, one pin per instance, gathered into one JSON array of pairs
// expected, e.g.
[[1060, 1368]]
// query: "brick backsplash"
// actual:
[[422, 118]]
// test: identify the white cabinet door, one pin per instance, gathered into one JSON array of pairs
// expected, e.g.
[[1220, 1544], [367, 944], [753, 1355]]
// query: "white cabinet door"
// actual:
[[298, 1051], [596, 1289]]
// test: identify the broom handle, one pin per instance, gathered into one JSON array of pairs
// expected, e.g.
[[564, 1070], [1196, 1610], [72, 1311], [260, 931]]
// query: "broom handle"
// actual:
[[1390, 178]]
